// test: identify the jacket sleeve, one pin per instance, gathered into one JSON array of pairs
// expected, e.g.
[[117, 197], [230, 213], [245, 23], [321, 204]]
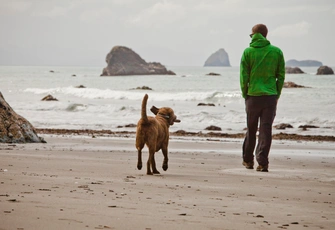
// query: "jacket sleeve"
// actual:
[[280, 74], [244, 75]]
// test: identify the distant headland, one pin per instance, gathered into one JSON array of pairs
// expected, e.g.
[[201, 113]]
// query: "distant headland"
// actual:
[[303, 63]]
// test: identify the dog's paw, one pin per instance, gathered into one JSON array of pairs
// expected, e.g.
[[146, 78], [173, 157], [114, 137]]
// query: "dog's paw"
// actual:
[[165, 167], [156, 172], [139, 166], [150, 173]]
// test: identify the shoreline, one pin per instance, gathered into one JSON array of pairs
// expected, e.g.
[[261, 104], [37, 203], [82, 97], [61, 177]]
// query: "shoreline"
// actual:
[[93, 183], [91, 132]]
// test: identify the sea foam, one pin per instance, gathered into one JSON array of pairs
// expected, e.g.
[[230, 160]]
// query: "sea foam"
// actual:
[[94, 93]]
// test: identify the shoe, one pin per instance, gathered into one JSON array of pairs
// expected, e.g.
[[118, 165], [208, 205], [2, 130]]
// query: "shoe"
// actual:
[[261, 168], [248, 165]]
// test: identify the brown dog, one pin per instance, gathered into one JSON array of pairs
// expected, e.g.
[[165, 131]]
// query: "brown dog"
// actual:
[[154, 132]]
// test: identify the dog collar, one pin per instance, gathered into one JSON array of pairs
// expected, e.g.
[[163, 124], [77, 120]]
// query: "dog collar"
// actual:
[[162, 115]]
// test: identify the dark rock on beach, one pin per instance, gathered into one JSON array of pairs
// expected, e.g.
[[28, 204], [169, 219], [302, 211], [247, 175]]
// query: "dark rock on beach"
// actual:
[[181, 132], [15, 128], [213, 128], [124, 61], [80, 86], [127, 134], [127, 126], [283, 126], [49, 98], [205, 104], [324, 70], [219, 58], [308, 127], [303, 63], [130, 126], [293, 70]]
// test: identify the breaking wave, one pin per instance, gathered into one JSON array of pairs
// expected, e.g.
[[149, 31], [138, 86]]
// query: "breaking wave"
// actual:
[[93, 93]]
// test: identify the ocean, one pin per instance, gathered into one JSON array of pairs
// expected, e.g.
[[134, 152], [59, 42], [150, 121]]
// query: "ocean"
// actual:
[[111, 103]]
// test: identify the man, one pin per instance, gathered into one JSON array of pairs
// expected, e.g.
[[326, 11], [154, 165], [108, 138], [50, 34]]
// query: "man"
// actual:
[[262, 75]]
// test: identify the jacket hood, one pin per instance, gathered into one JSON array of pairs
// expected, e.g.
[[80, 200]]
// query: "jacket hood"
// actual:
[[258, 41]]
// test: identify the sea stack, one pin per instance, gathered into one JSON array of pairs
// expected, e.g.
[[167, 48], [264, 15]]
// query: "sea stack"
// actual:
[[293, 70], [324, 70], [219, 58], [124, 61]]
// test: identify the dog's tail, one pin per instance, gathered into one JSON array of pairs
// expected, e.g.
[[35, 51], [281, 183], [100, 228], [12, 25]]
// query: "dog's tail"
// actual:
[[144, 109]]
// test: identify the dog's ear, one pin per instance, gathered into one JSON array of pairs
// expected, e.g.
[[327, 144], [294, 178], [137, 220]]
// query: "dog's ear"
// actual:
[[154, 110]]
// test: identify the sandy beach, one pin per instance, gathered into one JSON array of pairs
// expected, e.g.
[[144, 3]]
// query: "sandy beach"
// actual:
[[80, 182]]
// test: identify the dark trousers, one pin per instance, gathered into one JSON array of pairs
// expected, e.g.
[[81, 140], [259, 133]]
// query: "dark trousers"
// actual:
[[262, 109]]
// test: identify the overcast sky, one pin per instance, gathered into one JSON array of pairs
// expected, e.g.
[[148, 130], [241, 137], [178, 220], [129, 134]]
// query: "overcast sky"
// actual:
[[173, 32]]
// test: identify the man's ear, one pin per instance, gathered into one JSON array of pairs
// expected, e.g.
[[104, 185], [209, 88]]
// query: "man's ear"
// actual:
[[154, 110]]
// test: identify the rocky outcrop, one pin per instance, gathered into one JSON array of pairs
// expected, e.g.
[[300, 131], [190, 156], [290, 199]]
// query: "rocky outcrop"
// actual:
[[219, 58], [306, 127], [205, 104], [293, 70], [213, 74], [124, 61], [14, 128], [49, 98], [291, 84], [213, 128], [283, 126], [142, 88], [304, 63], [324, 70]]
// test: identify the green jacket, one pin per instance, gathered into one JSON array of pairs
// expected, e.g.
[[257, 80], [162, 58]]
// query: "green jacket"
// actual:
[[262, 69]]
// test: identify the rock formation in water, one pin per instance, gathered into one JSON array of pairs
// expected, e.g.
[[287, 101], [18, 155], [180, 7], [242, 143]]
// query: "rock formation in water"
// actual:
[[219, 58], [290, 84], [303, 63], [324, 70], [142, 88], [213, 74], [124, 61], [14, 128], [205, 104], [49, 98], [293, 70]]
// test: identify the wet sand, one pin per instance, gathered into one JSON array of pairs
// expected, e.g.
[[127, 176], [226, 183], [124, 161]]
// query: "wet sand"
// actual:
[[80, 182]]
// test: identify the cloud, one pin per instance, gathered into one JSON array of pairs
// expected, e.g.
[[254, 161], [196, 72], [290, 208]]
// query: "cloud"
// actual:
[[293, 30], [9, 7], [124, 2], [227, 6], [262, 8], [53, 12], [214, 32], [96, 15], [159, 14]]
